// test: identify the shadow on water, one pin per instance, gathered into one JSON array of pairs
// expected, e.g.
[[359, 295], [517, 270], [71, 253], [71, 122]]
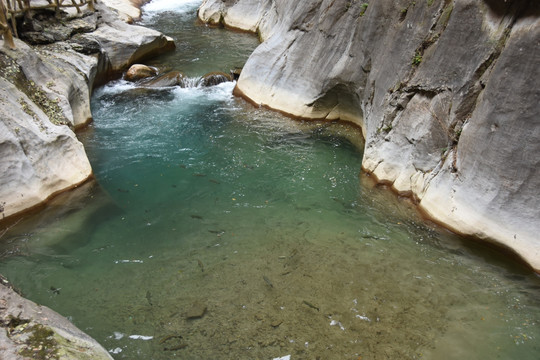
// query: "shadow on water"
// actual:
[[64, 225]]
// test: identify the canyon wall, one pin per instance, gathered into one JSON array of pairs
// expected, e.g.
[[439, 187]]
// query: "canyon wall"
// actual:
[[446, 93], [45, 87]]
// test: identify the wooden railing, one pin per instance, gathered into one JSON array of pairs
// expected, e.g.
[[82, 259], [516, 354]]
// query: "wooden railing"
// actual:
[[10, 9]]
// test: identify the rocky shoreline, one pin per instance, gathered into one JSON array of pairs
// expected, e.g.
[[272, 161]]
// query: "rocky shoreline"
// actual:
[[444, 91], [28, 330], [46, 84], [45, 88]]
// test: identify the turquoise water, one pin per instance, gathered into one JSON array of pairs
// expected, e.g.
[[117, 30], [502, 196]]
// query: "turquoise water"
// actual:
[[202, 202]]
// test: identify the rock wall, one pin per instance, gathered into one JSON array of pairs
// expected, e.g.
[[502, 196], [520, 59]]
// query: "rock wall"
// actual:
[[45, 92], [445, 91]]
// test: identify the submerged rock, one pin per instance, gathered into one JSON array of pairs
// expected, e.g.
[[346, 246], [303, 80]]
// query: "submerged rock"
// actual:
[[127, 10], [196, 311], [139, 71], [172, 78]]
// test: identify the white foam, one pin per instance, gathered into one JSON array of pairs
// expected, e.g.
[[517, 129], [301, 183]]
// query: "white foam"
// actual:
[[115, 87], [115, 351], [220, 92], [177, 6], [140, 337]]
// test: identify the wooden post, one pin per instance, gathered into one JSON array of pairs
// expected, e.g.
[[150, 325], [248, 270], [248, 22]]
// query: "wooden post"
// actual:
[[4, 27], [91, 5], [76, 6], [12, 11]]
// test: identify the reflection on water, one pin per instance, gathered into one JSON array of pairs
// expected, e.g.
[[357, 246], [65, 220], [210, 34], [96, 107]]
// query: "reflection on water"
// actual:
[[221, 231]]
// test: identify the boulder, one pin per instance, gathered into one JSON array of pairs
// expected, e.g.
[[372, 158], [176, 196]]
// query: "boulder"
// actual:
[[214, 78], [124, 44], [39, 158], [138, 72], [172, 78], [243, 15], [127, 10]]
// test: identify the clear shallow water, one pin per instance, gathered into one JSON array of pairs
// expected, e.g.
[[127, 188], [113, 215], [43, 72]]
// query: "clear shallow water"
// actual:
[[205, 201], [199, 49]]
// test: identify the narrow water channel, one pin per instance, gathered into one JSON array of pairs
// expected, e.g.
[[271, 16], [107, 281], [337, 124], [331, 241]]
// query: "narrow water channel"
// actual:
[[216, 230]]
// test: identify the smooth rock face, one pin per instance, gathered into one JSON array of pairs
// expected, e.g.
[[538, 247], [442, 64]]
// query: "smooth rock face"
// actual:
[[45, 94], [38, 158], [445, 92], [127, 10], [139, 71], [66, 340]]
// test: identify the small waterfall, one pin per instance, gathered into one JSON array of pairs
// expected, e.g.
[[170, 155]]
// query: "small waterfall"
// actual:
[[191, 82], [176, 78]]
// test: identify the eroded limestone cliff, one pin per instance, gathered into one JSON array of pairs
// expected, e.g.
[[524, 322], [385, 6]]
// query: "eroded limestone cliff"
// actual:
[[445, 91], [45, 92]]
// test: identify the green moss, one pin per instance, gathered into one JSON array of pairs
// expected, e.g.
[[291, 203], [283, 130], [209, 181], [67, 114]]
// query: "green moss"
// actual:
[[11, 71], [49, 107], [26, 108], [430, 2], [445, 16], [41, 344], [417, 58], [363, 8], [387, 128]]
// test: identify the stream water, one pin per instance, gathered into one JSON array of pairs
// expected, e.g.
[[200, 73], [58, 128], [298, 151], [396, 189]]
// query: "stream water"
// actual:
[[216, 230]]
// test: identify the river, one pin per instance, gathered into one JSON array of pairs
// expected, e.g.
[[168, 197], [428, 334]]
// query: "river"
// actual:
[[218, 230]]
